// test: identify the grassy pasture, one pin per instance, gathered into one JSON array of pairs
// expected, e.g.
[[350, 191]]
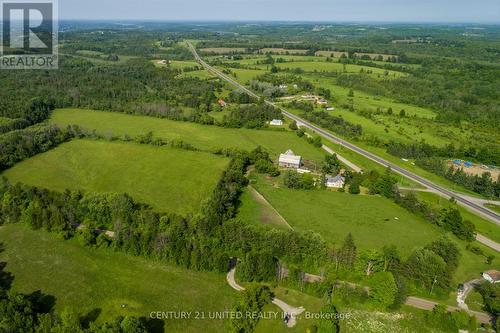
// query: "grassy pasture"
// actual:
[[334, 214], [87, 279], [245, 75], [169, 179], [201, 136], [366, 101], [323, 66]]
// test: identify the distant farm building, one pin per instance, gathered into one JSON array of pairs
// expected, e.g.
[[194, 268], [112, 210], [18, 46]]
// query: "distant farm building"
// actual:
[[289, 160], [222, 103], [335, 182], [330, 108], [276, 122], [492, 276], [322, 101]]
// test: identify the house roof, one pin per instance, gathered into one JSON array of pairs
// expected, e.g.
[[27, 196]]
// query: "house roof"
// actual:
[[332, 179], [494, 274], [289, 157]]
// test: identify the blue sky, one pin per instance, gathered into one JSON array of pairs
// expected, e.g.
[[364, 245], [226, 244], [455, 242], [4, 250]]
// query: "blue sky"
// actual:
[[291, 10]]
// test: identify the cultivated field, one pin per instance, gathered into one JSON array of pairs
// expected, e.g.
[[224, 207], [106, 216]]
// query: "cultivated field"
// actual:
[[200, 136], [169, 179], [109, 283]]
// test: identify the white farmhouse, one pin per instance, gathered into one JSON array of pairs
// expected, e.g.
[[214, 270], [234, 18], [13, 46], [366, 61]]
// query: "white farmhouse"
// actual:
[[336, 182], [276, 122], [492, 276], [289, 160]]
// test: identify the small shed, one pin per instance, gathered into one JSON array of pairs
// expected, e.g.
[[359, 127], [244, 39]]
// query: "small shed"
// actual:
[[290, 160], [276, 122], [335, 182]]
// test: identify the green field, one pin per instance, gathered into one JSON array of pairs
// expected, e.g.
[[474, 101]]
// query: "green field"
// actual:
[[371, 220], [88, 279], [169, 179], [200, 136], [333, 215]]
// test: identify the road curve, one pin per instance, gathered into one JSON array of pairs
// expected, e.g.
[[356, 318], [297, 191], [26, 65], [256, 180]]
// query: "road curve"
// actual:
[[487, 213], [293, 312]]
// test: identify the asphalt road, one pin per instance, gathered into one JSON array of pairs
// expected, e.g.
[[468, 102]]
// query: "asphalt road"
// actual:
[[489, 214]]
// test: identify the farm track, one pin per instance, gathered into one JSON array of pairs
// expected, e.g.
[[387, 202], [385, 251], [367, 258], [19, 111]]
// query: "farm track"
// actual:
[[462, 200]]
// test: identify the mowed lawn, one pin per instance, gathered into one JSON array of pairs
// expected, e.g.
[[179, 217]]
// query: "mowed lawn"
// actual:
[[169, 179], [87, 279], [200, 136]]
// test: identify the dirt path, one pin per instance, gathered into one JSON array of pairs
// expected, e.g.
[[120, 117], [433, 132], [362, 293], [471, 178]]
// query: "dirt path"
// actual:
[[424, 304], [263, 201], [293, 312], [462, 295]]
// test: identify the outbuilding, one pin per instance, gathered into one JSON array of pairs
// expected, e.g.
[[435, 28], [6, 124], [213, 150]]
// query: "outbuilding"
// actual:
[[276, 122], [289, 160]]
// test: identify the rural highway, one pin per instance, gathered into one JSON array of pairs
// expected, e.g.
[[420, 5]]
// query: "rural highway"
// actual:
[[489, 214]]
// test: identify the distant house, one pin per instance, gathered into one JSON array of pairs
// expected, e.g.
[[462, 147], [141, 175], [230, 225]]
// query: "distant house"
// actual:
[[276, 122], [336, 182], [222, 103], [322, 101], [289, 160], [492, 276]]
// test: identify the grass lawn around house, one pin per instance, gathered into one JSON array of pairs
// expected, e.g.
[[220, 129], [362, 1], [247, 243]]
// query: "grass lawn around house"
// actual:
[[201, 136], [169, 179], [87, 279]]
